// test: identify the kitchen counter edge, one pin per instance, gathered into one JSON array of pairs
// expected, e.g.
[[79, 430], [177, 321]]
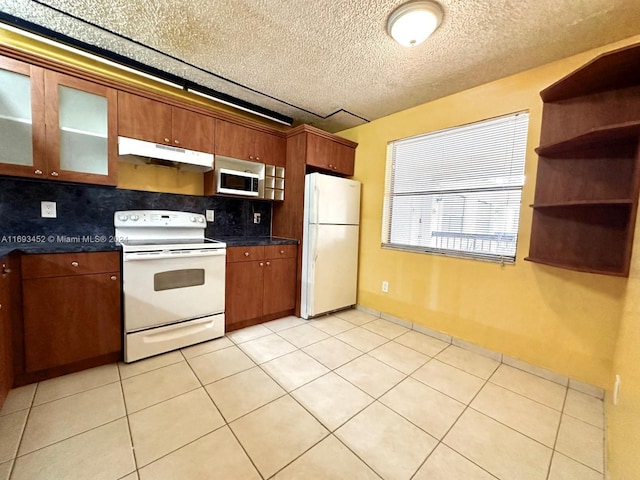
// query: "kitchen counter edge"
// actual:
[[40, 248], [256, 241]]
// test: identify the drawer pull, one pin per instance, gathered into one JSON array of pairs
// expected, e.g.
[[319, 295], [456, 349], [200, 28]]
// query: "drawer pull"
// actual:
[[38, 172], [261, 264], [246, 254], [74, 264], [268, 263], [281, 252], [55, 174], [113, 277]]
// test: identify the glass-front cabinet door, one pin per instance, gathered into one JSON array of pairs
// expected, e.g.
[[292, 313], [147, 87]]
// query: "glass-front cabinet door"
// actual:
[[81, 132], [22, 131]]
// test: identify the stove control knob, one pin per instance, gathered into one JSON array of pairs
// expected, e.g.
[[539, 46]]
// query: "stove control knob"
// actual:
[[123, 218], [135, 218], [192, 218], [200, 220]]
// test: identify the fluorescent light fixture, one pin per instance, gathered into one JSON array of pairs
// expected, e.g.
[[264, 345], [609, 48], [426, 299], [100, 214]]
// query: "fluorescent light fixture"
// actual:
[[237, 107], [412, 23], [90, 56], [120, 66]]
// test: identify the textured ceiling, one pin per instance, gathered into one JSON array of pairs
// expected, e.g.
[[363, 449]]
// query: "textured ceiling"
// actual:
[[310, 58]]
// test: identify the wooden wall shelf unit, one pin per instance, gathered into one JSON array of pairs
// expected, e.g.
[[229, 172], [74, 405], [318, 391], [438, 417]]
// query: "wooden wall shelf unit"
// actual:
[[586, 197]]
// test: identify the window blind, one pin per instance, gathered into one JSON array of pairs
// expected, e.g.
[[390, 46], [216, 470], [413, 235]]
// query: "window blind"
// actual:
[[458, 191]]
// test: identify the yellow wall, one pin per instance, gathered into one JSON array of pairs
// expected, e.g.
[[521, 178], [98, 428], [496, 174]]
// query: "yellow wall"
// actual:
[[623, 419], [561, 320], [581, 325]]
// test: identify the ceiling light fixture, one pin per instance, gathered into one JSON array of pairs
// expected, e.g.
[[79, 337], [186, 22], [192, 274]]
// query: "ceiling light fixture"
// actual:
[[412, 23]]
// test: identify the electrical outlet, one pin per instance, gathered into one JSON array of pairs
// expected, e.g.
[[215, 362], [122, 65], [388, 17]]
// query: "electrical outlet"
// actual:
[[48, 210], [385, 286], [256, 218], [209, 215]]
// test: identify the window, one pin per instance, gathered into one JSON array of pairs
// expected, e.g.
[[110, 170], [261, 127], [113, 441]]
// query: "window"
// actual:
[[458, 191]]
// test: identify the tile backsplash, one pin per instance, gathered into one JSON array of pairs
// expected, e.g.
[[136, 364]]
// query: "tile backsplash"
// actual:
[[88, 209]]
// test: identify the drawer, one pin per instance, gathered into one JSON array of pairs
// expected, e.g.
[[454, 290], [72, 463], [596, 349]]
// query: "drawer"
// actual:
[[281, 251], [244, 254], [64, 264]]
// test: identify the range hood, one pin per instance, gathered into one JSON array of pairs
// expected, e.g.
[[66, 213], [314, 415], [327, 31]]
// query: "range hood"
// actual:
[[141, 152]]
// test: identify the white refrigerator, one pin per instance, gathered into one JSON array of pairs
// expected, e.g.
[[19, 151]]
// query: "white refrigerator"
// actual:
[[330, 244]]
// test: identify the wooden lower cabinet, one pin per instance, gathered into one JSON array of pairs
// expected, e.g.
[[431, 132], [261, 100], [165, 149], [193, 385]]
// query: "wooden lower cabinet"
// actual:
[[244, 293], [261, 284], [70, 321], [279, 285]]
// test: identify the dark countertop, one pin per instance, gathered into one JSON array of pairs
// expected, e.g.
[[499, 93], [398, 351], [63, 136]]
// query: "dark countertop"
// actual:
[[256, 241], [46, 246], [58, 247]]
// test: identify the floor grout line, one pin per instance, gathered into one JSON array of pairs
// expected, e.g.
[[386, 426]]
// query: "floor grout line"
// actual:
[[289, 393]]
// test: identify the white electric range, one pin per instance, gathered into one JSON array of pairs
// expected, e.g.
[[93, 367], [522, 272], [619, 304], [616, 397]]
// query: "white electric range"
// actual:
[[173, 281]]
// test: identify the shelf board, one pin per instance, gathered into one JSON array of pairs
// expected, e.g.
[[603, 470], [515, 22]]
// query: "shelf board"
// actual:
[[586, 203], [16, 119], [83, 132], [602, 270], [610, 71], [574, 146]]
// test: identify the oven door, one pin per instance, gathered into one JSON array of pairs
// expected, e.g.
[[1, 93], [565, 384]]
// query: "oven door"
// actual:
[[161, 288]]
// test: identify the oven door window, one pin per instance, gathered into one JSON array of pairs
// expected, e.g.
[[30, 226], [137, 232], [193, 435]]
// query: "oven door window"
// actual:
[[173, 279]]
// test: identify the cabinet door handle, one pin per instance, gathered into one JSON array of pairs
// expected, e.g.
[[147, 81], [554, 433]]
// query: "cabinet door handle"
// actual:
[[261, 264], [113, 277], [74, 264], [281, 252], [258, 158], [246, 254], [250, 157], [5, 270], [268, 263], [166, 140], [176, 142], [38, 172], [54, 174]]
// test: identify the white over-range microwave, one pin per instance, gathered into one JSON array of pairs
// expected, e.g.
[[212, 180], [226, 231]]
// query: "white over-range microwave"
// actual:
[[236, 182]]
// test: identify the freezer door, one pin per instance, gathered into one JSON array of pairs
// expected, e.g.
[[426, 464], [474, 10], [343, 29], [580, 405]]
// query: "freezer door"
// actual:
[[331, 262], [332, 200]]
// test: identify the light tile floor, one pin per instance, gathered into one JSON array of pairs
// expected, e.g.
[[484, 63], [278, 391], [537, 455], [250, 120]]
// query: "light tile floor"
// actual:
[[345, 396]]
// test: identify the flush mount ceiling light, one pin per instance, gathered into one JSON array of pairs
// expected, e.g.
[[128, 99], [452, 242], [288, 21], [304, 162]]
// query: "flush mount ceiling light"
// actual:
[[412, 23]]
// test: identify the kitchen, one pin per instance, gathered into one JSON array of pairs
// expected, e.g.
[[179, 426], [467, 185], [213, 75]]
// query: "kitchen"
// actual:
[[237, 217]]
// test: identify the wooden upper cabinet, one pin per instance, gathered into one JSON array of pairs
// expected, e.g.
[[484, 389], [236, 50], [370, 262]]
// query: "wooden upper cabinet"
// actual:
[[152, 121], [56, 126], [192, 130], [244, 143], [81, 130], [22, 119], [328, 154], [143, 119]]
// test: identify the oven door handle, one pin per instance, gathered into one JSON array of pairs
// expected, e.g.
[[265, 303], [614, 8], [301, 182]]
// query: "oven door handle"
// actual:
[[135, 256]]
